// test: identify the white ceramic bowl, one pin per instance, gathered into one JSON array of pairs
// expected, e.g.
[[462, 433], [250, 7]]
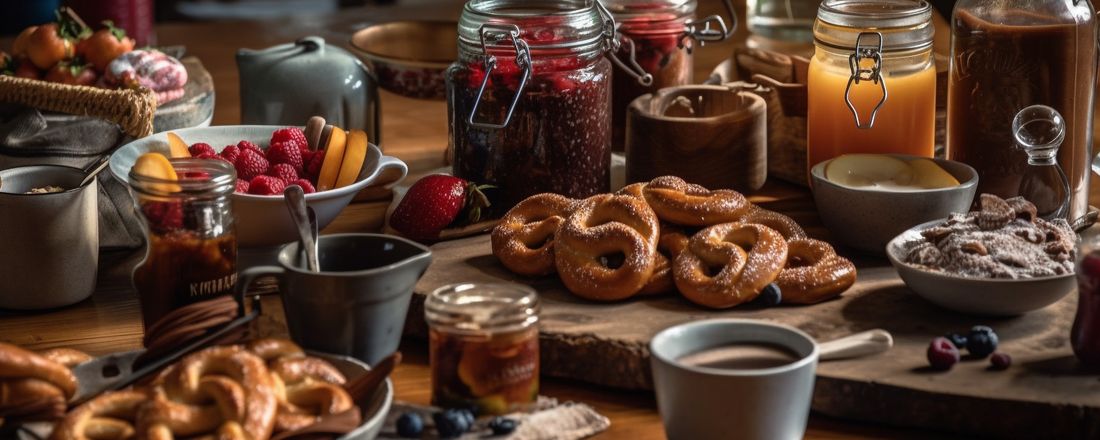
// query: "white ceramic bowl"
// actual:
[[866, 219], [261, 220], [980, 296]]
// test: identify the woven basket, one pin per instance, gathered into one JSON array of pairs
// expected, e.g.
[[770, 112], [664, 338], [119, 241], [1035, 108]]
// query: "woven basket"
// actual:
[[131, 109]]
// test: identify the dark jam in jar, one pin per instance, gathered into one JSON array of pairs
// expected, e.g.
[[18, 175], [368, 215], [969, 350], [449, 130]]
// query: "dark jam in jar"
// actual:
[[657, 49], [558, 139], [484, 346], [191, 245], [543, 120]]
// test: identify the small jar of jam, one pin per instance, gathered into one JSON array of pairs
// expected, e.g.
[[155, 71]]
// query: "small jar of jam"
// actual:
[[529, 98], [657, 36], [1085, 335], [191, 254], [484, 346]]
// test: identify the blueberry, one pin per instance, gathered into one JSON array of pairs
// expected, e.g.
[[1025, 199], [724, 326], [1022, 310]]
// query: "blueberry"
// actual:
[[1000, 361], [770, 296], [502, 425], [982, 341], [410, 425], [958, 339], [942, 355], [450, 424], [467, 416]]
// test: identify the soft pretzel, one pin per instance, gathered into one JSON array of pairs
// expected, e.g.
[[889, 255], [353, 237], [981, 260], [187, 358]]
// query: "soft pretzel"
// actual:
[[672, 242], [235, 380], [270, 349], [729, 264], [782, 224], [67, 357], [676, 201], [109, 416], [524, 239], [814, 272], [634, 189], [306, 389], [603, 227], [17, 363], [30, 400]]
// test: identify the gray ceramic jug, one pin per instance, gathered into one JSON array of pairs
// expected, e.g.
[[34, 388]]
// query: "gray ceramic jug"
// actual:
[[289, 83]]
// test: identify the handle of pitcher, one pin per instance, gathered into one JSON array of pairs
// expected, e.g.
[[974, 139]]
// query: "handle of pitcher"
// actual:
[[394, 163], [248, 276]]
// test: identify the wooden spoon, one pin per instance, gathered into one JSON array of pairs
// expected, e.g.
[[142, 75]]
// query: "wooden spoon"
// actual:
[[360, 390]]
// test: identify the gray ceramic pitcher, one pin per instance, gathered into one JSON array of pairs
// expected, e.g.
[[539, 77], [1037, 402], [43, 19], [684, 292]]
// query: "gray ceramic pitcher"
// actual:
[[289, 83]]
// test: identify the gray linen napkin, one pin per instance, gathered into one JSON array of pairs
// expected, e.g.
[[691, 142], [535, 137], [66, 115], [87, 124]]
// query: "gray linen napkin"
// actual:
[[547, 419], [29, 137]]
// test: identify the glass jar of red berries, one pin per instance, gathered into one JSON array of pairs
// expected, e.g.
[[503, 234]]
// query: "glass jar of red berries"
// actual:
[[529, 98], [659, 36], [1085, 336], [191, 253]]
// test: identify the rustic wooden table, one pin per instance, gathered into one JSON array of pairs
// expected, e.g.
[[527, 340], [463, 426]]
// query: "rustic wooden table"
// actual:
[[414, 131]]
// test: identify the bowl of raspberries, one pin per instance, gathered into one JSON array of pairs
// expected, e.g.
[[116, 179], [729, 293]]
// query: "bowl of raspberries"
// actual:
[[330, 164]]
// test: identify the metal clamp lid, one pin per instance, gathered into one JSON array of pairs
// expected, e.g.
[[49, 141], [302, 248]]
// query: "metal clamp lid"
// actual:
[[874, 74], [495, 33], [706, 33], [613, 42]]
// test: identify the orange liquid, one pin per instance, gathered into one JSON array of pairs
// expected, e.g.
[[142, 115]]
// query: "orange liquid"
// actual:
[[905, 124]]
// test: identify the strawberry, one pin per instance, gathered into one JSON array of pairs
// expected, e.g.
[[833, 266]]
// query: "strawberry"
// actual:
[[307, 186], [200, 148], [284, 172], [293, 134], [433, 203], [230, 153], [250, 164], [286, 152], [266, 186]]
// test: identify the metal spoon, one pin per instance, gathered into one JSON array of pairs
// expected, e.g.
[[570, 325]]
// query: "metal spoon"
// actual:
[[296, 204], [314, 253], [94, 169], [857, 345]]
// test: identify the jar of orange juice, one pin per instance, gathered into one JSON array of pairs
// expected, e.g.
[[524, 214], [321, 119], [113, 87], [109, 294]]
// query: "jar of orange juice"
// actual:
[[872, 80]]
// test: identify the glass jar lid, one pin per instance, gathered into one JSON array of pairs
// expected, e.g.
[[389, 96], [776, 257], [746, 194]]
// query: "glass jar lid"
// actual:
[[673, 8], [482, 307], [903, 24], [542, 24], [219, 180]]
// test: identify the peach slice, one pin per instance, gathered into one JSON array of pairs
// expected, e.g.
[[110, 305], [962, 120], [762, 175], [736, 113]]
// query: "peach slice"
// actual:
[[868, 170], [156, 166], [177, 148], [354, 155], [929, 175], [334, 157]]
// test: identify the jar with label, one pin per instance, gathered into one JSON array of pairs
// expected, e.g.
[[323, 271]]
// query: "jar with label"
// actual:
[[872, 80], [1011, 54], [484, 346], [191, 252], [1085, 333], [655, 49], [529, 98]]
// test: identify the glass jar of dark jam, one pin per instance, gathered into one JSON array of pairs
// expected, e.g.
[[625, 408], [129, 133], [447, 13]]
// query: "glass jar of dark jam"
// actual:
[[659, 35], [529, 98], [484, 346], [191, 254]]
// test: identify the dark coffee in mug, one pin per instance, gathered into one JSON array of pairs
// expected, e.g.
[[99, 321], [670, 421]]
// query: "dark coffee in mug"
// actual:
[[741, 356]]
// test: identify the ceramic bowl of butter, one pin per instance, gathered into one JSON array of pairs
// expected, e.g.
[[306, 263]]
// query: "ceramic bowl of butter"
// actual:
[[263, 221], [867, 200]]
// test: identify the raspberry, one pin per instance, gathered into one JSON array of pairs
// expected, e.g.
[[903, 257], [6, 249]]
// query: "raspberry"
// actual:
[[293, 134], [163, 216], [306, 186], [200, 148], [286, 152], [313, 169], [250, 164], [942, 354], [195, 175], [1000, 361], [266, 186], [243, 145], [284, 172], [242, 186], [230, 153], [207, 155]]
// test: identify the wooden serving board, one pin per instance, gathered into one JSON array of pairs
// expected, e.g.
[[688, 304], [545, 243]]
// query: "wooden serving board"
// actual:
[[1043, 395]]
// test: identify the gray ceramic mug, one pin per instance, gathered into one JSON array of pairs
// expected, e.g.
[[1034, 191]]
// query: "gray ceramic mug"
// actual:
[[356, 305], [702, 403], [50, 241]]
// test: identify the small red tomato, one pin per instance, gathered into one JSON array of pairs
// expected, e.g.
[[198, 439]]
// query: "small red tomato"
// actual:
[[74, 74]]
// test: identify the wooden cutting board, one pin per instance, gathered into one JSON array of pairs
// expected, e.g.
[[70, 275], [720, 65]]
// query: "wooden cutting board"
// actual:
[[1043, 395]]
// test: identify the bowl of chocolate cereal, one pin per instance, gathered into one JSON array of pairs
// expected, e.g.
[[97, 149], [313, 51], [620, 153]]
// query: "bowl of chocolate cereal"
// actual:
[[1001, 260]]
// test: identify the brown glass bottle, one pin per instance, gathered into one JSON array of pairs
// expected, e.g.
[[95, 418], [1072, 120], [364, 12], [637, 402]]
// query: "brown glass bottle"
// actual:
[[1013, 56]]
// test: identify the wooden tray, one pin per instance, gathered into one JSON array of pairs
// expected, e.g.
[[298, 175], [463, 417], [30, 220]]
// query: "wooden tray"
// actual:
[[1043, 395]]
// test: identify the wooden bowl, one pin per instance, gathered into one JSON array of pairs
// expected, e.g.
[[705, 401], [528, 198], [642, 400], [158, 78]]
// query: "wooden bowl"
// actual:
[[409, 57]]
